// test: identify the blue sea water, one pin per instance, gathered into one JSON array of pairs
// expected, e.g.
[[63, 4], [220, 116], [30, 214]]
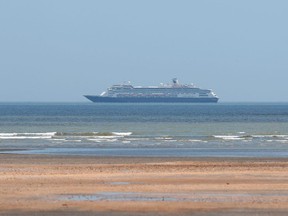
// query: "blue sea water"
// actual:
[[182, 130]]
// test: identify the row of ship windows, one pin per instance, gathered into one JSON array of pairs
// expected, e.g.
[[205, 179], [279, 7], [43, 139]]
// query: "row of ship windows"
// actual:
[[158, 91]]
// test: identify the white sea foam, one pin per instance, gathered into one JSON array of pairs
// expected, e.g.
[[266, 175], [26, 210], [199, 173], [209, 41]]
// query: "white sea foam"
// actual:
[[279, 141], [122, 133], [229, 137], [138, 139], [59, 139], [106, 137], [243, 137], [169, 140], [28, 134], [275, 140], [271, 136], [8, 134], [39, 134], [26, 137], [163, 138], [281, 136], [262, 136], [58, 135], [102, 140], [47, 135], [195, 140]]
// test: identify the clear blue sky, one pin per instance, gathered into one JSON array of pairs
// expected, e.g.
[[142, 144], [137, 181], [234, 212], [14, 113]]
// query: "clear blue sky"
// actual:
[[58, 50]]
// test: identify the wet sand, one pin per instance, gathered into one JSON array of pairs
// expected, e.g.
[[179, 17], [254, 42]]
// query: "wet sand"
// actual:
[[70, 185]]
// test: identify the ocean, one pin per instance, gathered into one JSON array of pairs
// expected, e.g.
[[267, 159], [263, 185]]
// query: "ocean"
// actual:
[[147, 130]]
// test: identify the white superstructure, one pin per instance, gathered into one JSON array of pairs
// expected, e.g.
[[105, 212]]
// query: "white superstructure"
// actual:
[[174, 90]]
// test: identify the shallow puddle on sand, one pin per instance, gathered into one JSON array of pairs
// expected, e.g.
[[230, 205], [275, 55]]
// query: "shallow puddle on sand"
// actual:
[[119, 183], [118, 196], [177, 197]]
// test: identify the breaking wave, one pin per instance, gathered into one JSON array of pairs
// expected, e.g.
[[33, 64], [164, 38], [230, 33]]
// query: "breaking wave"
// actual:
[[62, 135], [47, 135], [89, 134], [129, 139], [252, 137]]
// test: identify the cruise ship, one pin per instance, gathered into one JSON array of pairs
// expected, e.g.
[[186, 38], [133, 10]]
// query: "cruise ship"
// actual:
[[165, 93]]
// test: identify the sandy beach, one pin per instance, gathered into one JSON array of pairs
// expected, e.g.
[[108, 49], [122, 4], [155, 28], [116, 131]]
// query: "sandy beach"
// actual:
[[71, 185]]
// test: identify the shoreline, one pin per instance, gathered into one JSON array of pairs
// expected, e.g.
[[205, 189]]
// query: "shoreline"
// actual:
[[153, 152], [50, 185], [128, 159]]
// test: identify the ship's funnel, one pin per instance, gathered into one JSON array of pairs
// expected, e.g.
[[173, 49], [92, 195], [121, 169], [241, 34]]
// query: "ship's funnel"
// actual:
[[175, 81]]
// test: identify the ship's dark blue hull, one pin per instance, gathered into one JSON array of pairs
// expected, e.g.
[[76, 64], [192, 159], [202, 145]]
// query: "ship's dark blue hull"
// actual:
[[101, 99]]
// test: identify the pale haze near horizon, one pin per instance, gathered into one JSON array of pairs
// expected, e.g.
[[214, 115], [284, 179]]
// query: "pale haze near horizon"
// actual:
[[60, 50]]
